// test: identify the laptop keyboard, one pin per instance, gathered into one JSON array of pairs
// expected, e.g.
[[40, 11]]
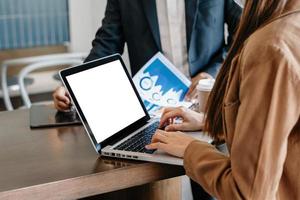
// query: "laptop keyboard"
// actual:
[[138, 142]]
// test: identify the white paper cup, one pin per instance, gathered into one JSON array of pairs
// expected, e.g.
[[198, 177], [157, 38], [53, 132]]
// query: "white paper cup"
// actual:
[[204, 88]]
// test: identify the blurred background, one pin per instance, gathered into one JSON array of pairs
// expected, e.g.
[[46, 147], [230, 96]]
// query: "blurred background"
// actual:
[[42, 27], [30, 28]]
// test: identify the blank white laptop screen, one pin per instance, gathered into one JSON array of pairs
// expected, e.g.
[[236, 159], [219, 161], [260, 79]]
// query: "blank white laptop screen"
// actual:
[[106, 99]]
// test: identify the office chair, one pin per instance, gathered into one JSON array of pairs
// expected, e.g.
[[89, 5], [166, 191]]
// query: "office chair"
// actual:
[[37, 66], [28, 61]]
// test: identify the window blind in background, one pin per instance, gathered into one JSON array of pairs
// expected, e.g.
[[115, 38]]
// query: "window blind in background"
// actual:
[[32, 23]]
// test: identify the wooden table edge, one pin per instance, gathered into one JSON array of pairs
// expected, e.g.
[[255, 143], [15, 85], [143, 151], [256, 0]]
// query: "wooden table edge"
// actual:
[[97, 183]]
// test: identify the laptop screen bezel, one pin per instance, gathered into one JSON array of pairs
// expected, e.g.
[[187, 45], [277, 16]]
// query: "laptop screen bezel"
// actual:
[[98, 63]]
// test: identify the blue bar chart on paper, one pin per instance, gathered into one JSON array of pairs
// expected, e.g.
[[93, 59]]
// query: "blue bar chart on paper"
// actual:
[[161, 84]]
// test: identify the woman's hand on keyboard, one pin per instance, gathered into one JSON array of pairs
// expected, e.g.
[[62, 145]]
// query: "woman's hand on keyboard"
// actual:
[[181, 119], [174, 143]]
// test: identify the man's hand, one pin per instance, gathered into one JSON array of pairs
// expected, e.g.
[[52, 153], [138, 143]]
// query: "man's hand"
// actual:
[[174, 143], [61, 99], [190, 120], [192, 91]]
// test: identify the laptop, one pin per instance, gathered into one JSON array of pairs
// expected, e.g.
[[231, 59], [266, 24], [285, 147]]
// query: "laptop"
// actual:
[[112, 111], [46, 116]]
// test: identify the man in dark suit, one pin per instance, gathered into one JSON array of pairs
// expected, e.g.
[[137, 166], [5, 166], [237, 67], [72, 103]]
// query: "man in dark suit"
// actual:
[[136, 23], [190, 33]]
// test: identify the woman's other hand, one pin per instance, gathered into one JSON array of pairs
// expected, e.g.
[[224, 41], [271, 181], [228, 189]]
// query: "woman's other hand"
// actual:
[[189, 120]]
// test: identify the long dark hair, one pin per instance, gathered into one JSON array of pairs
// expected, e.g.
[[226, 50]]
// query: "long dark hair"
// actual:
[[256, 14]]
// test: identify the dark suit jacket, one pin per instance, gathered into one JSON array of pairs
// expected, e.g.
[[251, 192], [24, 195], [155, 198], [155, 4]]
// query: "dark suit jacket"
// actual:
[[135, 22]]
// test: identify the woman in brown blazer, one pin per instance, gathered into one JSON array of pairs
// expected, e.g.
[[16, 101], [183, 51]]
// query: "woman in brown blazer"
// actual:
[[254, 107]]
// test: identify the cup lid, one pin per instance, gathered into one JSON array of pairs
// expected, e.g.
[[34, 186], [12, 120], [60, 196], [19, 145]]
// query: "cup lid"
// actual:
[[206, 84]]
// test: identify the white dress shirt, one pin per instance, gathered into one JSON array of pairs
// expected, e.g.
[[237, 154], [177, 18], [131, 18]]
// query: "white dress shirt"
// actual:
[[172, 28]]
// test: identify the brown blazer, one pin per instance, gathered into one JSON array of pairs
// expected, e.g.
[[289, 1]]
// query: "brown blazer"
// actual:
[[261, 121]]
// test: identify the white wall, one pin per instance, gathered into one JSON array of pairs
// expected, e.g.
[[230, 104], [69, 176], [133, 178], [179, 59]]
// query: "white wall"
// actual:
[[85, 19]]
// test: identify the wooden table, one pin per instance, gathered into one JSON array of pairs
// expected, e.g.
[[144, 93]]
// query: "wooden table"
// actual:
[[60, 163]]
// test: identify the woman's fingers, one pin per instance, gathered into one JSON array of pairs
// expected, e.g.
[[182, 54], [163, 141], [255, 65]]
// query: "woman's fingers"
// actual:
[[176, 127], [159, 136], [158, 145], [173, 143], [167, 121], [171, 114], [160, 141]]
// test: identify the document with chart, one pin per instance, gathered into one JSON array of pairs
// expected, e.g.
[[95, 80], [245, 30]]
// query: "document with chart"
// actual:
[[161, 84]]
